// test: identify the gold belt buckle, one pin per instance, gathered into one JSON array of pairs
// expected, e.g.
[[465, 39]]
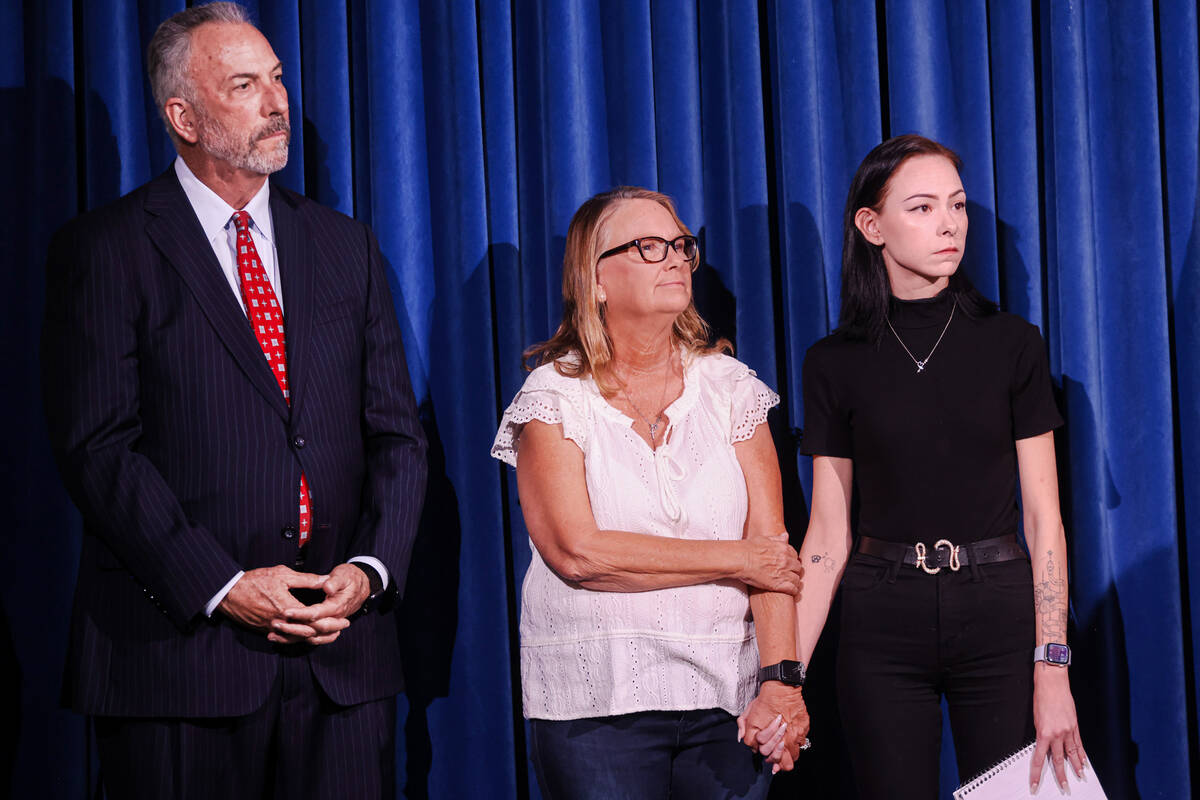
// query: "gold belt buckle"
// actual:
[[922, 552]]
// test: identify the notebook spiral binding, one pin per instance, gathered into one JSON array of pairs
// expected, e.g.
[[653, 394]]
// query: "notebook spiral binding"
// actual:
[[985, 776]]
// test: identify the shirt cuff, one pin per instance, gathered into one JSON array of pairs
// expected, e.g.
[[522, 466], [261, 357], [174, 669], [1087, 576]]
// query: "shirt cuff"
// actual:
[[219, 596], [373, 563]]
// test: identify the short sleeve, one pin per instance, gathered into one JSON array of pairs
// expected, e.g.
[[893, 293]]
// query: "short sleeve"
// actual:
[[1034, 411], [733, 393], [751, 400], [547, 397], [826, 430]]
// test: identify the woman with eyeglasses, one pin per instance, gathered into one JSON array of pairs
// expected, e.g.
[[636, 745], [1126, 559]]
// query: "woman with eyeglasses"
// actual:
[[651, 493], [928, 403]]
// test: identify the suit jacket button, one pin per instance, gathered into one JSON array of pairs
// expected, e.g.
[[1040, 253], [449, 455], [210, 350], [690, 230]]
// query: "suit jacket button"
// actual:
[[288, 532], [299, 442]]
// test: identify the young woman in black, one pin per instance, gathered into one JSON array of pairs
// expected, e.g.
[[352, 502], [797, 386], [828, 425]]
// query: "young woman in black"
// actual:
[[928, 403]]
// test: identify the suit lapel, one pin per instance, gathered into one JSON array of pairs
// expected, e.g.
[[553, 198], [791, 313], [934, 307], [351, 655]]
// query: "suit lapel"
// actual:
[[296, 273], [173, 227]]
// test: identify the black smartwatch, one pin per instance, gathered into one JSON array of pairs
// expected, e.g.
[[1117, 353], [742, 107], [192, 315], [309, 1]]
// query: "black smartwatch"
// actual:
[[1053, 653], [790, 673]]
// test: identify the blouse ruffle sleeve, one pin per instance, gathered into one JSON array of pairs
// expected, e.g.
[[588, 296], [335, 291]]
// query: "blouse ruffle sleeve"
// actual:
[[547, 397], [748, 398]]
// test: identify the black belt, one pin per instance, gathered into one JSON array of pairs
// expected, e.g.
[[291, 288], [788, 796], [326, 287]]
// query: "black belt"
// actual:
[[944, 553]]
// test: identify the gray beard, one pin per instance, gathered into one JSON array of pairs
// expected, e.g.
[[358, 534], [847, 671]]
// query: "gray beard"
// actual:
[[221, 143]]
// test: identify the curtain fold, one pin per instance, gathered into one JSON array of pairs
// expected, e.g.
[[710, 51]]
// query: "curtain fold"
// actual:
[[467, 132], [326, 94], [1015, 140], [1180, 121], [1108, 326]]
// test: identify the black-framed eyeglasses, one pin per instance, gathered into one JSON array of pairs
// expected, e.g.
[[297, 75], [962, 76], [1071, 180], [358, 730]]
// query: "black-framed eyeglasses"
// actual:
[[654, 249]]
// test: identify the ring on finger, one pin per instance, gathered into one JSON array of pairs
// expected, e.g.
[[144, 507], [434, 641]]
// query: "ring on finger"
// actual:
[[807, 743]]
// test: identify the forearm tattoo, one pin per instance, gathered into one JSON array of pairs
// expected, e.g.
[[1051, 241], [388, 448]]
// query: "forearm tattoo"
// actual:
[[824, 561], [1050, 601]]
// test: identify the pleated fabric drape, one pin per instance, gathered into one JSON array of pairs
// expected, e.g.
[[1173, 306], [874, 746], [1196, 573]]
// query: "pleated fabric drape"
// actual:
[[466, 132]]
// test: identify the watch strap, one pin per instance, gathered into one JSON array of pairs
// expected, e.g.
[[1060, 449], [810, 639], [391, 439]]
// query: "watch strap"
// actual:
[[790, 673], [375, 582], [373, 577]]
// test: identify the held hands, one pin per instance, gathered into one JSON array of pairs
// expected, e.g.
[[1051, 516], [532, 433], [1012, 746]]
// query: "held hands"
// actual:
[[776, 724], [262, 600], [1056, 724], [771, 563]]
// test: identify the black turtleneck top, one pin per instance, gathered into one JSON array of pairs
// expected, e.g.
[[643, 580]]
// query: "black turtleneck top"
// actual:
[[934, 453]]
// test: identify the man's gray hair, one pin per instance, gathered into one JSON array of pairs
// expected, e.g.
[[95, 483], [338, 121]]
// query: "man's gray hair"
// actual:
[[169, 54]]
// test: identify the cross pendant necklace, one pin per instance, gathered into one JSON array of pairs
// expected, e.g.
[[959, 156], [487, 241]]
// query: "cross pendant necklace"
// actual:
[[922, 362], [653, 426]]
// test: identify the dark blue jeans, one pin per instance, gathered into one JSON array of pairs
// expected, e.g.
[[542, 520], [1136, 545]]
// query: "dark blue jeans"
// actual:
[[650, 755]]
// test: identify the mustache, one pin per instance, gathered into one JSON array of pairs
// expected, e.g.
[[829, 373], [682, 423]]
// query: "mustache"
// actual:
[[274, 126]]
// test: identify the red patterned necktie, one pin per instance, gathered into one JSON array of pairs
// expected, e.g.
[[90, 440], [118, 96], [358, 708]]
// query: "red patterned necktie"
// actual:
[[266, 317]]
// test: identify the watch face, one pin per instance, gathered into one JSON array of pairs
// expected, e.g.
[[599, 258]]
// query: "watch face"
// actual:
[[1058, 653], [792, 672]]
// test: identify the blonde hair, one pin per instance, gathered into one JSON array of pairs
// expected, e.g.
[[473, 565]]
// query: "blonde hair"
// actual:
[[582, 346]]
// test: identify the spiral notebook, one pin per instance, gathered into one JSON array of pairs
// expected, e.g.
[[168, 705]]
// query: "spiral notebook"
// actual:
[[1009, 780]]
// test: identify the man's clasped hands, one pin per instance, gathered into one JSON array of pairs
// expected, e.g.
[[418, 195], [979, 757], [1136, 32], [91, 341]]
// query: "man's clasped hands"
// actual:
[[262, 600]]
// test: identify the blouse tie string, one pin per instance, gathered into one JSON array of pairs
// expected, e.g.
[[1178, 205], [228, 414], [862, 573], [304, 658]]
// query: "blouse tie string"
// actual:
[[669, 472]]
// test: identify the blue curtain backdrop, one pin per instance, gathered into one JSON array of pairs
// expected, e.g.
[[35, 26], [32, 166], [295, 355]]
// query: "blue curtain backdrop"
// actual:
[[467, 132]]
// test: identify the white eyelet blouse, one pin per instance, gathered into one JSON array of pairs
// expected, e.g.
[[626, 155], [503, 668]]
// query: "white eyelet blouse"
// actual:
[[588, 653]]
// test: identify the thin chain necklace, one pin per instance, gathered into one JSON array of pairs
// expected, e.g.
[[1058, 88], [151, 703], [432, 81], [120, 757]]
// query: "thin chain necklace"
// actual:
[[653, 426], [921, 364]]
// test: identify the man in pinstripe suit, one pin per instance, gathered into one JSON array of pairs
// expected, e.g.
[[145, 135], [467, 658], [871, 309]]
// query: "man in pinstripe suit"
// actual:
[[229, 404]]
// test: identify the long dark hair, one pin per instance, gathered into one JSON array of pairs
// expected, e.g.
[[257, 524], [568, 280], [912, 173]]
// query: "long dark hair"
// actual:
[[866, 291]]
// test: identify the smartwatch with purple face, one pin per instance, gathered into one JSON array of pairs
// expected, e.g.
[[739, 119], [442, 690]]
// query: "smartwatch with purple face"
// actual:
[[1052, 653]]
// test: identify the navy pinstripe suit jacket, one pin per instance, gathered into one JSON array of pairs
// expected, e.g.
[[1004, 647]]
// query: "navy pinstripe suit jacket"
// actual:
[[176, 444]]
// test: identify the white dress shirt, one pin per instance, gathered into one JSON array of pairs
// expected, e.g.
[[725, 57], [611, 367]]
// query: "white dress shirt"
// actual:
[[216, 220]]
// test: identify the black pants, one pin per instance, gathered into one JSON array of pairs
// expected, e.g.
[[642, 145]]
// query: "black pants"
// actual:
[[907, 639], [299, 745]]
